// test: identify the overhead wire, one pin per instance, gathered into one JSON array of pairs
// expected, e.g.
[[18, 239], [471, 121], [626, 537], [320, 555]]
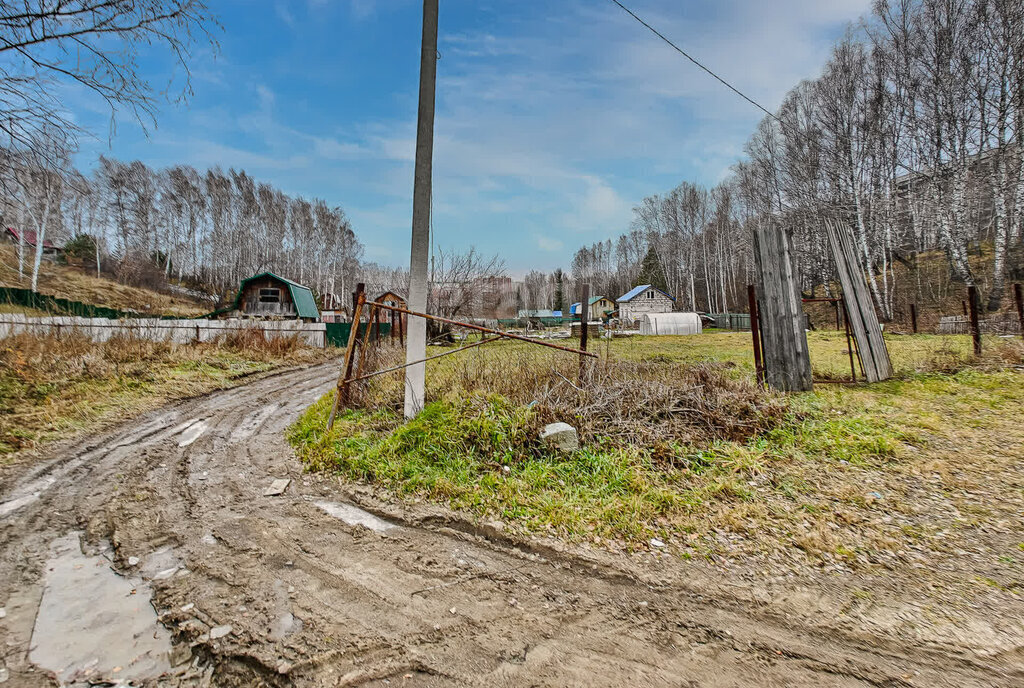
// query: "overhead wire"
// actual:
[[782, 123], [695, 61]]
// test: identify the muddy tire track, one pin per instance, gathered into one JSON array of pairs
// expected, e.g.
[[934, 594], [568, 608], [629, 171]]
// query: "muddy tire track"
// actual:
[[309, 599]]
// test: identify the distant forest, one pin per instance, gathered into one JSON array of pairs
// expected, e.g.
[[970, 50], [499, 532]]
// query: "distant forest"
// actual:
[[211, 228], [911, 136]]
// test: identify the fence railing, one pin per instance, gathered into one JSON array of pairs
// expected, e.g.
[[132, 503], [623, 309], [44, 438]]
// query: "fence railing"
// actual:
[[154, 329], [731, 321]]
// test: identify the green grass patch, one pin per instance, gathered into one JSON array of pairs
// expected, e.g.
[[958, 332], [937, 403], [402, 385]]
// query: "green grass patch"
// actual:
[[798, 480]]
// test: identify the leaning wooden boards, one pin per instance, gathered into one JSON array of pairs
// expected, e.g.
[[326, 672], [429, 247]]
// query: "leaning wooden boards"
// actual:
[[787, 361], [874, 356]]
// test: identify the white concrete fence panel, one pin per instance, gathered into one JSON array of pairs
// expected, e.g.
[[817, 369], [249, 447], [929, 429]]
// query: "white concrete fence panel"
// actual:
[[180, 331]]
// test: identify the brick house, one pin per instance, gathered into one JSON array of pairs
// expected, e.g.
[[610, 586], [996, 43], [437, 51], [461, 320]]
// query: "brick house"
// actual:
[[643, 299]]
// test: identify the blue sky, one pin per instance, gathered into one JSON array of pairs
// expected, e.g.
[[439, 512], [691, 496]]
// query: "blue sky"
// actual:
[[553, 118]]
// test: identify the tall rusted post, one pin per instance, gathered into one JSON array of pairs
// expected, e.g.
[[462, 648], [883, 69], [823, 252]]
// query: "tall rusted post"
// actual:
[[1018, 296], [913, 318], [849, 342], [972, 301], [584, 327], [341, 395], [755, 334], [963, 304]]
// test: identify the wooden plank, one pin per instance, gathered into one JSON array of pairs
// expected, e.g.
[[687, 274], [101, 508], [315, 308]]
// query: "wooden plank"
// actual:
[[867, 331], [346, 366], [786, 358]]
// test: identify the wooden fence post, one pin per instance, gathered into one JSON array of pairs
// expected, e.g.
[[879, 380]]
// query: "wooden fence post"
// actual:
[[1018, 296], [365, 344], [787, 361], [346, 366], [913, 318], [972, 301]]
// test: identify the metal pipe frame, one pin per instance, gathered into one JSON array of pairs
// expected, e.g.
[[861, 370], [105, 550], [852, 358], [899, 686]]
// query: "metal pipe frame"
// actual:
[[478, 328]]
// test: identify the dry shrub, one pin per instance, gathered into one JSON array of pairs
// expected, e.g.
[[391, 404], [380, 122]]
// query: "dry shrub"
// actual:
[[648, 403], [136, 270], [996, 352], [651, 403], [50, 382], [255, 341]]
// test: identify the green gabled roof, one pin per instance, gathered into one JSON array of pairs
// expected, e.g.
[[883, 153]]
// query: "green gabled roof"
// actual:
[[302, 297]]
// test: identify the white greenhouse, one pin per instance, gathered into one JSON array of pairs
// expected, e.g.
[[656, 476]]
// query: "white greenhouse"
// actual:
[[670, 323]]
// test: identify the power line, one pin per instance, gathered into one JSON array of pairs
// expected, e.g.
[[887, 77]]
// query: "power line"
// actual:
[[782, 123], [697, 62]]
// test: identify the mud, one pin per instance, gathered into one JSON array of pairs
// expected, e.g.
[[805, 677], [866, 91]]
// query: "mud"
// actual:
[[324, 585], [93, 622]]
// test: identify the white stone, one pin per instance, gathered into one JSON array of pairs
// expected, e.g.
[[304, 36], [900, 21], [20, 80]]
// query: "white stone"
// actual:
[[218, 632], [560, 436], [277, 487]]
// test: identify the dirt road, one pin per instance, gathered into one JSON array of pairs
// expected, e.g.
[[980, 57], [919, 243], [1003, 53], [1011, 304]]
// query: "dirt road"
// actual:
[[306, 589]]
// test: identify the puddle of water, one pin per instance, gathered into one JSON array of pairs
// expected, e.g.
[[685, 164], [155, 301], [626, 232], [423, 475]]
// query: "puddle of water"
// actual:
[[354, 516], [192, 433], [28, 494], [94, 624]]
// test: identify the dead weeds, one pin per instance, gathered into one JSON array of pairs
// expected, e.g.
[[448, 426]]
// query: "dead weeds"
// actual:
[[55, 384]]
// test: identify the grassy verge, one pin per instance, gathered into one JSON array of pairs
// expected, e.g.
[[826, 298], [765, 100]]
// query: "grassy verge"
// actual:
[[833, 474], [78, 284], [53, 386]]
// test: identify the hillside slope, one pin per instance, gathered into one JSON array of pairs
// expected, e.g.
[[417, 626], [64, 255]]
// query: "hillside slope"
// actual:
[[76, 284]]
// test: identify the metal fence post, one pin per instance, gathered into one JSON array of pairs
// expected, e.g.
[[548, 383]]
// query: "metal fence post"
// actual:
[[1018, 296], [972, 300]]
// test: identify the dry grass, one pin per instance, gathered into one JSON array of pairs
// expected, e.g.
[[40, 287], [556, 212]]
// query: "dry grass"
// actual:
[[76, 284], [622, 402], [681, 446], [54, 385]]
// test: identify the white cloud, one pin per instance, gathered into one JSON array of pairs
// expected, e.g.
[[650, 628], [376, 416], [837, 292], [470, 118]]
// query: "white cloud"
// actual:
[[549, 244], [283, 13]]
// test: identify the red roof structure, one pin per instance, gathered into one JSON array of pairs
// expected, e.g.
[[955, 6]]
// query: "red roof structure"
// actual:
[[30, 238]]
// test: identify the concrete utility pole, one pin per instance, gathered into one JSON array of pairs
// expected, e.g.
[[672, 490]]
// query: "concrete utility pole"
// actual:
[[416, 349]]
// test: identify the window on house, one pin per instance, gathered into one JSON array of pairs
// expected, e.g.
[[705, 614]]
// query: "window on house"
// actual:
[[650, 294], [270, 295]]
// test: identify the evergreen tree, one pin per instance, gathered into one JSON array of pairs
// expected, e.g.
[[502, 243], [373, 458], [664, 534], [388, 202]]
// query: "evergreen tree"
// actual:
[[651, 271], [559, 290]]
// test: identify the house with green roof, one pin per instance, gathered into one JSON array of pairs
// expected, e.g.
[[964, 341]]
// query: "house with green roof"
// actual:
[[267, 295], [598, 308]]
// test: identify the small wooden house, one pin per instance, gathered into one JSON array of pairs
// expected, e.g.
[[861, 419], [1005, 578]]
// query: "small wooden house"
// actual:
[[392, 298], [16, 236], [598, 308], [643, 299], [267, 295], [397, 320]]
